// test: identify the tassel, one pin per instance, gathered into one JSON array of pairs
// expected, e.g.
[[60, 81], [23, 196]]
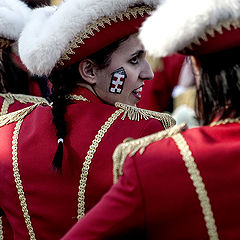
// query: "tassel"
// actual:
[[58, 158]]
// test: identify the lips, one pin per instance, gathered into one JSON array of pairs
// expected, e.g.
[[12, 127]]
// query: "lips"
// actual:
[[138, 92]]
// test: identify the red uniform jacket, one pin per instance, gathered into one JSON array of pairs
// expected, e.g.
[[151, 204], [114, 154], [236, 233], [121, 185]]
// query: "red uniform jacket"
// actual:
[[38, 201], [12, 102], [182, 187]]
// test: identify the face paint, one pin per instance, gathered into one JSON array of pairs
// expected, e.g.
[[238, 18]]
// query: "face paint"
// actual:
[[118, 78]]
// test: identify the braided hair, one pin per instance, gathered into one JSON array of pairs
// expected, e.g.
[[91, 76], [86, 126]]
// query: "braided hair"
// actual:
[[64, 81], [219, 88]]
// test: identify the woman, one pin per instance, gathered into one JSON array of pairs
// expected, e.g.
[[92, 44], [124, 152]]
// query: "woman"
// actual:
[[89, 73], [192, 193]]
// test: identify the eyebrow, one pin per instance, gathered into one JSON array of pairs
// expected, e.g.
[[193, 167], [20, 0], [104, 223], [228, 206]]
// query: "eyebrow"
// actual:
[[137, 53]]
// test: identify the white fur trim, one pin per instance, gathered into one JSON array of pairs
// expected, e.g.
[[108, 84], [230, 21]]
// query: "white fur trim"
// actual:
[[13, 15], [45, 38], [176, 23]]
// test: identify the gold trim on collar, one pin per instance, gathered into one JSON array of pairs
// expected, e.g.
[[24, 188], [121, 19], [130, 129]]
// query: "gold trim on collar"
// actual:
[[198, 184], [77, 98], [225, 121], [95, 27], [136, 114]]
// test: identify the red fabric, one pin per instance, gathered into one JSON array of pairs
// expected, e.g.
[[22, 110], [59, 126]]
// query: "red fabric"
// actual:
[[52, 197], [156, 196], [157, 93]]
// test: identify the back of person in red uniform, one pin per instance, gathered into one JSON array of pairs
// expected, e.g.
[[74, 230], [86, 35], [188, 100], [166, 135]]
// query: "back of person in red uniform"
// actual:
[[18, 89], [56, 161], [181, 184]]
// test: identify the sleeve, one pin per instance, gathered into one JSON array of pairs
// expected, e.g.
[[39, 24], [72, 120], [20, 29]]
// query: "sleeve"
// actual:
[[119, 214]]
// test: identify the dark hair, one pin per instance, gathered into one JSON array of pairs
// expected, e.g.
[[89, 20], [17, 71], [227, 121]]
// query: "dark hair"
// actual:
[[13, 79], [64, 81], [219, 89], [36, 3]]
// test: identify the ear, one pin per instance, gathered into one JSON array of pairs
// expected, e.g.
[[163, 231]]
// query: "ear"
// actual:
[[87, 69]]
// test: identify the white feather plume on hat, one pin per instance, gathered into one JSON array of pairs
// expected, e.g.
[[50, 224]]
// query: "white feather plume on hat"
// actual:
[[13, 16], [45, 38], [178, 23]]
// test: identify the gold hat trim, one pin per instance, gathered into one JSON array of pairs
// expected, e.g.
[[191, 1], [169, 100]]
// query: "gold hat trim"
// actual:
[[95, 27], [4, 43], [211, 31]]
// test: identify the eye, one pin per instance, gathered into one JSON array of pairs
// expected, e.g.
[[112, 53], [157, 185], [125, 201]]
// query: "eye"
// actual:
[[134, 60]]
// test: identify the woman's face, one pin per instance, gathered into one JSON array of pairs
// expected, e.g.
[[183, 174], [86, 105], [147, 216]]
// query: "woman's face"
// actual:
[[123, 79]]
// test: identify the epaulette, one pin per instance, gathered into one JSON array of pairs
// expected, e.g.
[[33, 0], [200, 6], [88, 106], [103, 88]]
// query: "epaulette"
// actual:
[[10, 98], [136, 114], [17, 115], [131, 147]]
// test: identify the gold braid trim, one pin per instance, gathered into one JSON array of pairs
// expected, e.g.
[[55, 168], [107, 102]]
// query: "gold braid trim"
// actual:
[[4, 43], [136, 114], [225, 121], [18, 181], [17, 115], [95, 27], [210, 31], [77, 98], [133, 146], [88, 160], [198, 184], [1, 229], [9, 99]]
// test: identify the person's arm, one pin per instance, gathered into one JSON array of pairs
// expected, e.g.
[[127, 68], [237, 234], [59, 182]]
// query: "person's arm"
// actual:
[[119, 214]]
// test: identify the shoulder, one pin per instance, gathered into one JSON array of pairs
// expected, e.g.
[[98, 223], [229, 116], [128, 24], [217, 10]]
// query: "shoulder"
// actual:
[[18, 115], [137, 114], [18, 100], [131, 147]]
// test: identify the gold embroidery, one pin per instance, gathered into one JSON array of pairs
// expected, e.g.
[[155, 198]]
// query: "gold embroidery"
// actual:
[[88, 160], [225, 121], [9, 99], [100, 23], [6, 102], [136, 114], [131, 147], [18, 180], [210, 31], [77, 98], [4, 43], [198, 184], [16, 116], [1, 229]]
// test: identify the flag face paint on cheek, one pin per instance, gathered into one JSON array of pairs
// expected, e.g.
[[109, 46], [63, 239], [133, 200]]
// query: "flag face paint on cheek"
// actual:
[[118, 78]]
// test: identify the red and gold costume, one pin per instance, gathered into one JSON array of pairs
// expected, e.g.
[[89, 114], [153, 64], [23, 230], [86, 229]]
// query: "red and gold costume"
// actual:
[[44, 203], [193, 198], [12, 102]]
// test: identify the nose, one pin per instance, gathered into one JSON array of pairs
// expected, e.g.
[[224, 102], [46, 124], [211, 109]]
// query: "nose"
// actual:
[[146, 73]]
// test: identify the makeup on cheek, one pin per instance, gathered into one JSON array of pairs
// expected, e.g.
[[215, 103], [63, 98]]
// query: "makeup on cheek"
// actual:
[[118, 78]]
